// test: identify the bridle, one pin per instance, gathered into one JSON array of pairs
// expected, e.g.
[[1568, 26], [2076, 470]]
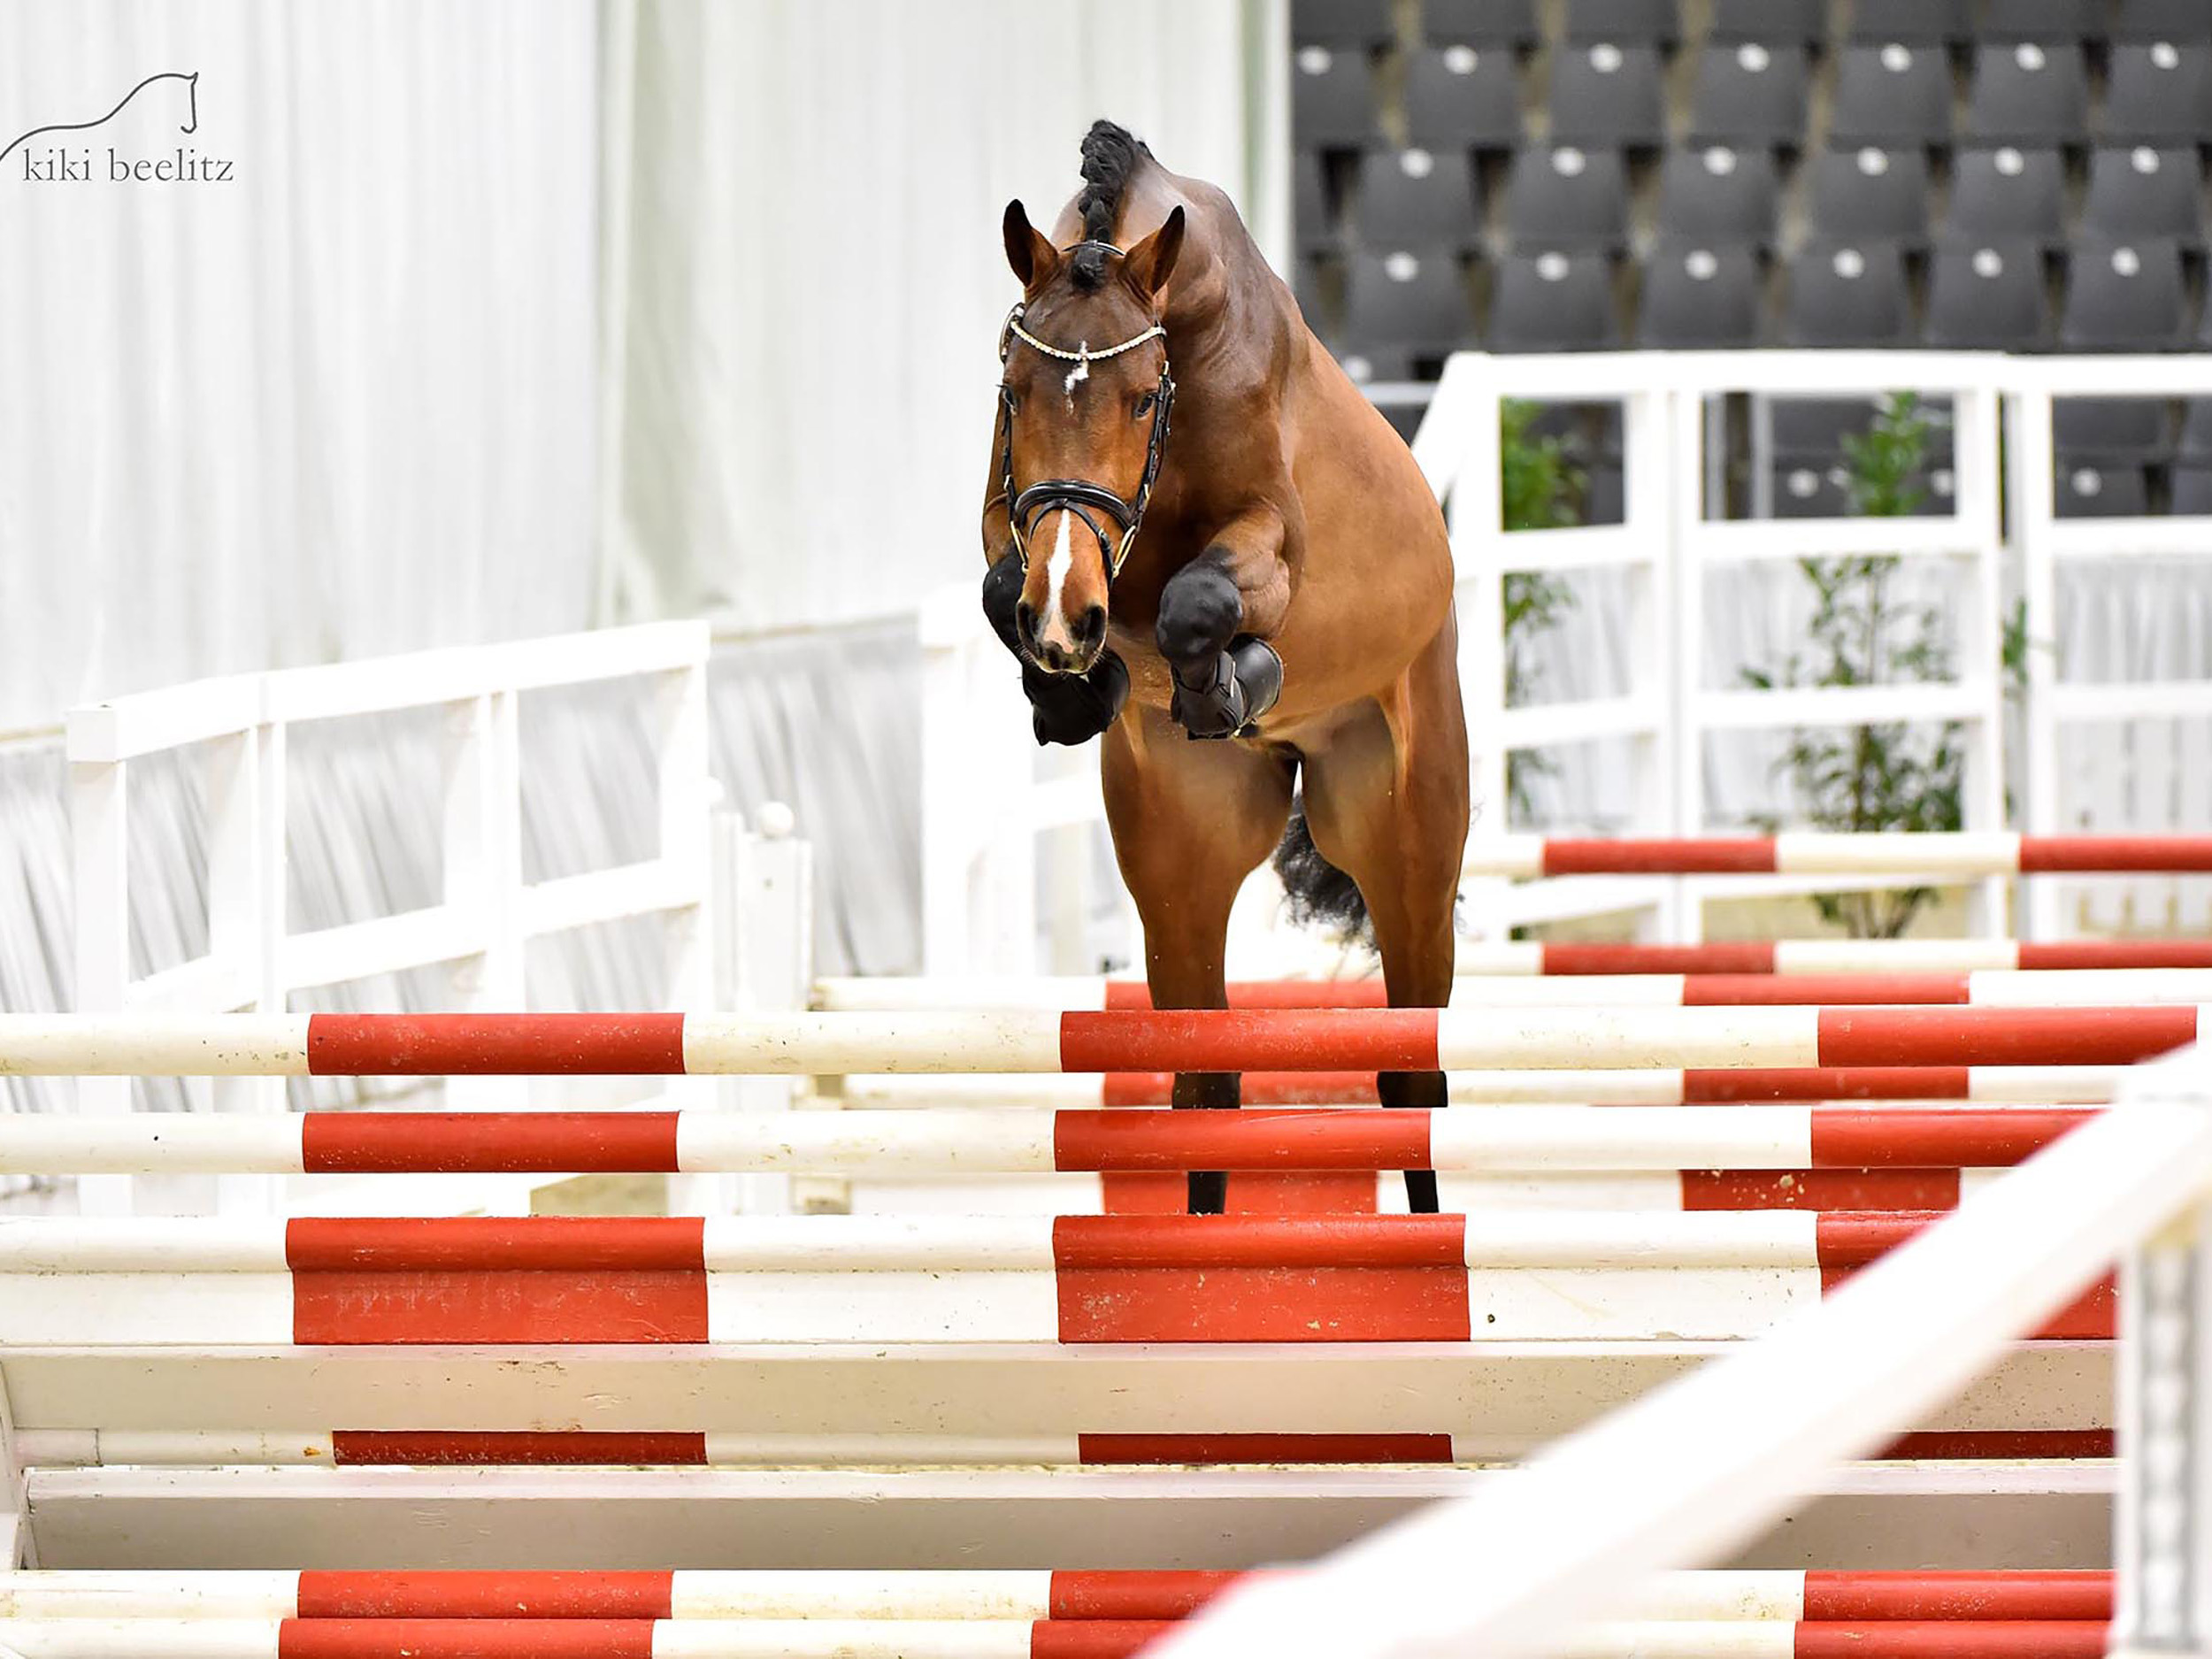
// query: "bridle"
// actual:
[[1077, 495]]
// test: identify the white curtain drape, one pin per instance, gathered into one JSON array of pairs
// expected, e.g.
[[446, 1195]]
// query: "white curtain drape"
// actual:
[[806, 202], [340, 405]]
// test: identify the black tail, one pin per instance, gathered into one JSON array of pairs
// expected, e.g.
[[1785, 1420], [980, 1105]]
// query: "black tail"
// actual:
[[1321, 896]]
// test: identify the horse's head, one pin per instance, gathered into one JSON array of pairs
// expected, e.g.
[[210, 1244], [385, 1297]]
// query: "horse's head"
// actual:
[[1086, 391]]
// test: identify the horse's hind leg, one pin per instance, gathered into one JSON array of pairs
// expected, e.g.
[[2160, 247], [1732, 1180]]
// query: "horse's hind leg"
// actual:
[[1190, 822], [1386, 801]]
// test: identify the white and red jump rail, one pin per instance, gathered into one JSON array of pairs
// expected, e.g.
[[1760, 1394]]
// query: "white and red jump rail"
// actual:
[[974, 1615], [1506, 1277], [1045, 1042], [1958, 855]]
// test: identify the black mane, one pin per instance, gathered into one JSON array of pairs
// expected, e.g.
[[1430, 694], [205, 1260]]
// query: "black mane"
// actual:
[[1111, 154]]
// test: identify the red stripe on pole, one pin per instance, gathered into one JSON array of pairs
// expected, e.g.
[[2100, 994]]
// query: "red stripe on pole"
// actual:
[[1984, 1596], [1239, 1039], [1135, 1595], [1250, 1193], [464, 1638], [1331, 1241], [2172, 854], [510, 1447], [1123, 1140], [346, 1143], [1807, 990], [1264, 1448], [539, 1279], [524, 1045], [1199, 1278], [539, 1243], [1710, 855], [1893, 1082], [1953, 1638], [1749, 955], [1093, 1638], [449, 1595], [1847, 1239], [1258, 1089], [2119, 952], [1852, 1189], [2010, 1445], [1844, 1139], [2002, 1036]]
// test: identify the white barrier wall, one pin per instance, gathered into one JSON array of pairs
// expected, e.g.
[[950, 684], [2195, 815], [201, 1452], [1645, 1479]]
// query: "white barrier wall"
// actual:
[[988, 797]]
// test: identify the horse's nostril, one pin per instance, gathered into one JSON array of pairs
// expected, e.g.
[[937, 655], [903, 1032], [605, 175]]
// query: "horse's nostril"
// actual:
[[1092, 629], [1026, 621]]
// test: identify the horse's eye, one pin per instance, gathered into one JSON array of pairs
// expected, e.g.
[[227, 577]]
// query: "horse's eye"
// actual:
[[1144, 404]]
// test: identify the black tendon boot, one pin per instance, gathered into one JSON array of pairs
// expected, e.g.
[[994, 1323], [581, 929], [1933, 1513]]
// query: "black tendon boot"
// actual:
[[1228, 697]]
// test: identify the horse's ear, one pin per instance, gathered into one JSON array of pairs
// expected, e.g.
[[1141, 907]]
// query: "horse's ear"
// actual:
[[1152, 261], [1029, 251]]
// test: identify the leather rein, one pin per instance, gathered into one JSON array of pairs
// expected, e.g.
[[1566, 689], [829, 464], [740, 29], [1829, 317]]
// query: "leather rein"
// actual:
[[1079, 495]]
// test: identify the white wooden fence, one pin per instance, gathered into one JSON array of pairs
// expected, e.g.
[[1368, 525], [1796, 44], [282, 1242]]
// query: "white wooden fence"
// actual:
[[988, 797], [236, 728]]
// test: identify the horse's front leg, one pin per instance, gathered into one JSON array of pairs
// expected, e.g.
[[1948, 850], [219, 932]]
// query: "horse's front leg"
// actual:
[[1216, 614], [1189, 824]]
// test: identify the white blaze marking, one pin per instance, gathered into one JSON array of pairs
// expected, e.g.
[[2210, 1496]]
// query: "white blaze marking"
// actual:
[[1057, 574]]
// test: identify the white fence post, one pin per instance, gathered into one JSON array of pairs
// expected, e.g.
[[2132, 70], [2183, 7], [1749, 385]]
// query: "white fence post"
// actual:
[[2162, 1524], [99, 816], [483, 839], [242, 937], [2034, 486], [1978, 499], [765, 960]]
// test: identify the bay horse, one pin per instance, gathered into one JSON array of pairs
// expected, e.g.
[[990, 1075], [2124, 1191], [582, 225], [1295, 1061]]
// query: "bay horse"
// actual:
[[1262, 598]]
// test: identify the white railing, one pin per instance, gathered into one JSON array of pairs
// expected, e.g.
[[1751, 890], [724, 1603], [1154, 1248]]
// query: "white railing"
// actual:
[[986, 799], [487, 912], [1699, 1467]]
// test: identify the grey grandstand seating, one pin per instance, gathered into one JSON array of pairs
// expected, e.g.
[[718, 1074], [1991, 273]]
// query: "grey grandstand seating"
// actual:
[[1416, 198], [2145, 193], [1553, 302], [2195, 443], [2006, 194], [2164, 20], [1892, 96], [1871, 194], [1567, 199], [1719, 197], [1846, 295], [1803, 491], [2043, 20], [1699, 298], [1355, 23], [1399, 308], [1607, 95], [1749, 94], [2100, 492], [2159, 93], [1480, 22], [2193, 490], [2029, 93], [1624, 22], [1772, 22], [1309, 202], [2127, 296], [1463, 97], [1991, 298], [1332, 99], [1912, 22], [2098, 429]]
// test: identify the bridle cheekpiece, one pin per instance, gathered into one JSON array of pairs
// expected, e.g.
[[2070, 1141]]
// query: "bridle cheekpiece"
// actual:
[[1076, 495]]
